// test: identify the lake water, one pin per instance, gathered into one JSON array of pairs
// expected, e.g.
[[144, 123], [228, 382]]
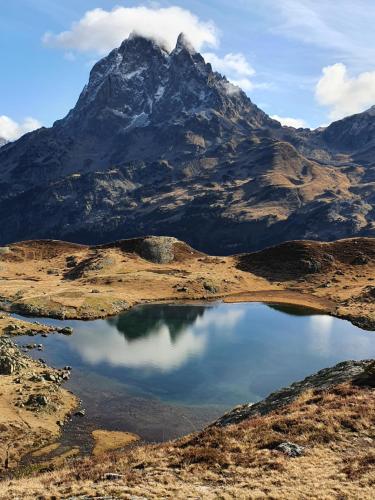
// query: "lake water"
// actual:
[[165, 370]]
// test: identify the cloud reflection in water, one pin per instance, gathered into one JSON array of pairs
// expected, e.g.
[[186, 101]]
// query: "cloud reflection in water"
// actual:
[[161, 346]]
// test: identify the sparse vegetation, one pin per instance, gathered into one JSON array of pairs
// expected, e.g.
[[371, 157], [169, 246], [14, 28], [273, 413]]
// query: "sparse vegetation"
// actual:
[[237, 461]]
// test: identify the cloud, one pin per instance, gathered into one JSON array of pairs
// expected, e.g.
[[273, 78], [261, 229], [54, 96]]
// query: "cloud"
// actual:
[[11, 130], [345, 95], [290, 122], [158, 351], [235, 67], [232, 63], [344, 27], [99, 30]]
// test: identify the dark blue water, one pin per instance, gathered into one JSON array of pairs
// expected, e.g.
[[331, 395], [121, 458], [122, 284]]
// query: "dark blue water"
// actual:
[[163, 370]]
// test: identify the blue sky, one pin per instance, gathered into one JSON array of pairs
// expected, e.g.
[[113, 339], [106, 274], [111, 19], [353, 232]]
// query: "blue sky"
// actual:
[[308, 60]]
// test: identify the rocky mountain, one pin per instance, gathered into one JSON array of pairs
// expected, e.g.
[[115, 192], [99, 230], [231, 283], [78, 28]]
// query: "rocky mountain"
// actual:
[[159, 143], [2, 141]]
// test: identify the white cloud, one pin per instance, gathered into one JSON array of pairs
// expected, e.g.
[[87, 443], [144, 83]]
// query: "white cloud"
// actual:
[[235, 67], [290, 122], [232, 63], [159, 350], [100, 30], [243, 83], [344, 27], [11, 130], [345, 95]]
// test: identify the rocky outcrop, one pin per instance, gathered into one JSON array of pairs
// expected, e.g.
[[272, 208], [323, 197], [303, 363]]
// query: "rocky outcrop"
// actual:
[[356, 371], [11, 359]]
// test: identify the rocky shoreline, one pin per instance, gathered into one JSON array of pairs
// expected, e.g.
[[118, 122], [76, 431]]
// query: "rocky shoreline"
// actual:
[[33, 402], [322, 380]]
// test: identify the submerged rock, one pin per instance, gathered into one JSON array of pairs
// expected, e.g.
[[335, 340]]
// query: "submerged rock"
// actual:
[[67, 330]]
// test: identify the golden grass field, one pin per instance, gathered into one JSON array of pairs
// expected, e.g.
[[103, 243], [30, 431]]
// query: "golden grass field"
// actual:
[[63, 280]]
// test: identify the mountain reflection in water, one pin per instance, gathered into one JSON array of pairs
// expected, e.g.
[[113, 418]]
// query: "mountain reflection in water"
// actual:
[[161, 338], [220, 354]]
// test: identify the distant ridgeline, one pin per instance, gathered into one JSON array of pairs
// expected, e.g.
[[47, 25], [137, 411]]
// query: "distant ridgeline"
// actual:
[[159, 143]]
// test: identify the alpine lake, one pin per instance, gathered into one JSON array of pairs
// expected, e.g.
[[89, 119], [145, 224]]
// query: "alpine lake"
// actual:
[[165, 370]]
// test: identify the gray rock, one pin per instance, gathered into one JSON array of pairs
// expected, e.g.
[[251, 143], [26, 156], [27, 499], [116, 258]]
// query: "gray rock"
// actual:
[[67, 330], [158, 249], [37, 400], [312, 266], [112, 476], [210, 287], [360, 260], [290, 449], [7, 366]]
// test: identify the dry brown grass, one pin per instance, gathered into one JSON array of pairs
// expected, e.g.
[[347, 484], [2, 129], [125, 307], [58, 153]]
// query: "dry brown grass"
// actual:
[[57, 278], [336, 427]]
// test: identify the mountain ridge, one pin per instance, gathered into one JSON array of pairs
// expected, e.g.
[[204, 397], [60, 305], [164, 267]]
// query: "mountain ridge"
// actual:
[[159, 143]]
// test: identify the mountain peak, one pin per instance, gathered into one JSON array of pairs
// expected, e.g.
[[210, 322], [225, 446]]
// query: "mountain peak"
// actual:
[[183, 43], [141, 84], [159, 143]]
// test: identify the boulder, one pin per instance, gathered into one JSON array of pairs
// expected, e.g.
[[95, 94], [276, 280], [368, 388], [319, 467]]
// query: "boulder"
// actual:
[[210, 287], [66, 330], [311, 265], [37, 400], [158, 249], [290, 449], [8, 365], [360, 260]]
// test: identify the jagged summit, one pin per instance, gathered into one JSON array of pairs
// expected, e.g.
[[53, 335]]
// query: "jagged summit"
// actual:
[[140, 84], [183, 43]]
